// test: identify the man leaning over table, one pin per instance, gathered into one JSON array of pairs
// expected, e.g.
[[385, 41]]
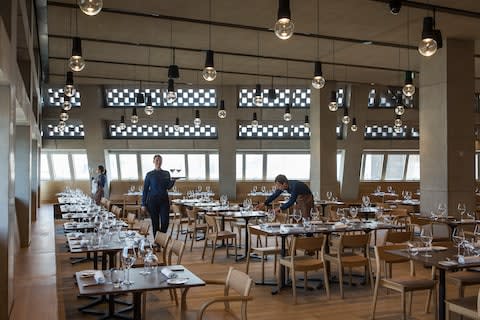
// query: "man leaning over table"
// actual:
[[299, 193], [155, 195]]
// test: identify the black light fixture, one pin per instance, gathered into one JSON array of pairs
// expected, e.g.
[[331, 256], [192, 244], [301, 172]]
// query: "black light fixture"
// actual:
[[258, 98], [209, 72], [398, 121], [333, 105], [63, 116], [408, 88], [171, 93], [354, 126], [428, 45], [272, 95], [173, 71], [69, 89], [122, 124], [287, 116], [148, 106], [67, 103], [318, 81], [399, 108], [76, 61], [140, 98], [284, 26], [134, 116], [254, 120], [90, 7], [395, 6], [222, 113], [197, 121], [346, 117], [176, 126], [306, 123]]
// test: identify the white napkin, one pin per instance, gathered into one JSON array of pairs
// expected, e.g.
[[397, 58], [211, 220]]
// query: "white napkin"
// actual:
[[169, 273], [99, 277], [340, 225], [471, 259]]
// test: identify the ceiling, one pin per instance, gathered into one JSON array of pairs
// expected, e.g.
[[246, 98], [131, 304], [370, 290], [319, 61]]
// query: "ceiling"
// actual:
[[132, 40]]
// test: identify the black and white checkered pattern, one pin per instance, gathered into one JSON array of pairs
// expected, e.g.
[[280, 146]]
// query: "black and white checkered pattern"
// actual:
[[71, 131], [149, 131], [388, 132], [55, 98], [297, 98]]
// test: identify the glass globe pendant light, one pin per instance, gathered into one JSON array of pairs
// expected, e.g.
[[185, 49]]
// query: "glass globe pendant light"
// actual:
[[254, 120], [354, 126], [76, 61], [69, 89], [67, 104], [171, 93], [287, 116], [61, 125], [284, 26], [333, 105], [306, 123], [428, 45], [346, 117], [134, 116], [209, 73], [408, 89], [197, 121], [176, 126], [64, 116], [258, 98], [222, 113], [148, 106], [122, 124], [318, 81], [90, 7]]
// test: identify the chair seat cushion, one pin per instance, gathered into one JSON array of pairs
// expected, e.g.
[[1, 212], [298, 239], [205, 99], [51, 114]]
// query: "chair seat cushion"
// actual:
[[468, 303], [409, 283], [267, 250], [302, 262], [465, 277]]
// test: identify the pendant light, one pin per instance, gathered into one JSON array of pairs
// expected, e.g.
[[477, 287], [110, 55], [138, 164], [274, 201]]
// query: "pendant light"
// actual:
[[134, 116], [197, 121], [67, 104], [148, 106], [287, 116], [318, 81], [176, 126], [284, 26], [222, 113], [61, 125], [408, 89], [122, 124], [209, 73], [171, 93], [346, 117], [428, 45], [254, 120], [140, 97], [173, 71], [64, 116], [306, 123], [258, 98], [399, 109], [398, 121], [437, 34], [395, 6], [69, 89], [90, 7], [354, 126], [76, 61], [272, 95], [333, 105]]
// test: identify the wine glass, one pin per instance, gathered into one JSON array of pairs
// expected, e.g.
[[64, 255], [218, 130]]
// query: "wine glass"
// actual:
[[461, 208], [442, 210], [412, 248], [353, 212], [314, 214], [117, 276], [128, 260], [389, 189], [140, 188], [426, 237], [366, 201], [208, 189], [178, 170], [307, 223], [254, 189], [341, 215], [297, 215], [132, 189], [329, 195], [199, 188], [458, 238], [172, 170], [379, 189], [264, 189], [142, 252]]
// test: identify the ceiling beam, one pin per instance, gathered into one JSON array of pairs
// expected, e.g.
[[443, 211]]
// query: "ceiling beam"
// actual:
[[42, 27]]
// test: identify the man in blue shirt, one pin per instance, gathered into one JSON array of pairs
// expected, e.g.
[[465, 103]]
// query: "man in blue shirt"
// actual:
[[155, 195], [299, 193]]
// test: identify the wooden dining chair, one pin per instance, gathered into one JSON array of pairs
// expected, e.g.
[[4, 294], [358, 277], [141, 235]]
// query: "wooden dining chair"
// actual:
[[179, 220], [214, 234], [239, 283], [161, 241], [194, 227], [176, 250], [404, 284], [262, 251], [468, 307], [395, 237], [131, 204], [305, 261]]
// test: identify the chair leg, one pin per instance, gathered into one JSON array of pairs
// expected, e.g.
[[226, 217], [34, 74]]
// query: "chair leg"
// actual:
[[327, 283], [263, 266], [236, 248], [409, 301], [427, 303], [375, 296], [275, 264], [194, 237], [204, 247], [404, 306], [248, 261], [214, 247], [447, 311], [294, 285], [340, 279]]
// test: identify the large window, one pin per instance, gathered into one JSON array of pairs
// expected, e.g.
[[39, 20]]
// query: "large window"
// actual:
[[80, 166], [394, 166], [128, 166], [294, 166], [254, 167], [44, 167], [196, 166], [64, 165]]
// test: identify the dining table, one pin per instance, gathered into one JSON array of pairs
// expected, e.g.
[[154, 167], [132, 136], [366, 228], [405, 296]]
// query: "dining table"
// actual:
[[156, 280]]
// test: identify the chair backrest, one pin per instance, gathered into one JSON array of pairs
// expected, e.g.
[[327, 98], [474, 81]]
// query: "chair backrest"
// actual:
[[310, 244], [131, 217], [144, 228], [398, 236], [381, 255], [354, 241], [117, 211], [399, 212], [192, 215], [162, 239], [178, 210], [177, 248], [211, 223], [238, 281], [130, 199]]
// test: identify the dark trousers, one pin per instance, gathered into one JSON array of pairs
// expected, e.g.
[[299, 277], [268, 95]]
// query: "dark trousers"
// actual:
[[159, 210]]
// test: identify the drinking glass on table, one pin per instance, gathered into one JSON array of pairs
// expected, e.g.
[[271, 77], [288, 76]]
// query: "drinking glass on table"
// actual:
[[117, 276], [132, 189], [442, 210], [366, 201], [128, 260], [389, 189], [264, 189], [412, 248], [426, 237], [297, 215], [314, 214], [458, 238], [140, 188], [142, 252], [461, 208], [353, 212], [307, 223], [329, 195]]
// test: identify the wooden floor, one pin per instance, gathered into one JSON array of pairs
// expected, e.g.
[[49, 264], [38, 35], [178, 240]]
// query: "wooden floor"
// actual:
[[37, 293]]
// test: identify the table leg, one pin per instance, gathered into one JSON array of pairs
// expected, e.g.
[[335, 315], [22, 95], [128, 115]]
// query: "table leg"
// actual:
[[441, 295], [183, 302], [137, 305], [281, 267]]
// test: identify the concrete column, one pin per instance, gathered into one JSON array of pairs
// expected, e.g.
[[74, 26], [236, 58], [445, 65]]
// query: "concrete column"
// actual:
[[227, 144], [323, 143], [447, 143], [35, 183], [23, 175]]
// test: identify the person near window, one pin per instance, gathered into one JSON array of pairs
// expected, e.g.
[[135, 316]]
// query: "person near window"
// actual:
[[299, 193], [155, 195], [100, 183]]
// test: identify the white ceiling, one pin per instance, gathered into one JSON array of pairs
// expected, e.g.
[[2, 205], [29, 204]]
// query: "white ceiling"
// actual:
[[111, 61]]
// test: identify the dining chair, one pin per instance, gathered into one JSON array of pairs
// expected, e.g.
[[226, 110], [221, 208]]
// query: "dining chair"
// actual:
[[194, 226], [162, 240], [130, 204], [468, 307], [262, 251], [176, 249], [462, 279], [402, 284], [395, 237], [351, 251], [305, 262], [214, 234], [179, 219], [239, 283], [117, 211]]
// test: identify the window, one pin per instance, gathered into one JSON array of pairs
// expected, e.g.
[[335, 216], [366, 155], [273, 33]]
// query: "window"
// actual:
[[413, 167], [61, 166], [253, 166], [196, 167], [372, 166], [340, 157], [80, 166], [294, 166], [44, 168], [112, 158], [395, 166], [146, 163], [239, 165], [173, 162], [128, 166], [213, 164]]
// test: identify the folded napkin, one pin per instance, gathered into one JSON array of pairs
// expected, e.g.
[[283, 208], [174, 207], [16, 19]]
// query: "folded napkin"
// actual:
[[99, 277], [470, 259], [468, 220], [340, 225], [169, 273]]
